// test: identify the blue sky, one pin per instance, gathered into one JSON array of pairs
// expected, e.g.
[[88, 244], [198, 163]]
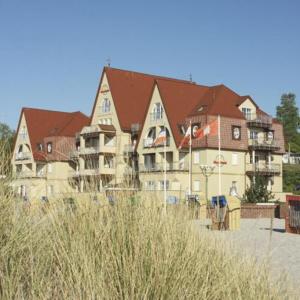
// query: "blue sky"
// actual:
[[52, 52]]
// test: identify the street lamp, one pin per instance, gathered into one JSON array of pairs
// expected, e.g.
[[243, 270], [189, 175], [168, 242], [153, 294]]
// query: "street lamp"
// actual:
[[207, 171]]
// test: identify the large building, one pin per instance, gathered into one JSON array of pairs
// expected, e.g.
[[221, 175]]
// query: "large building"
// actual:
[[41, 159], [118, 146], [131, 110]]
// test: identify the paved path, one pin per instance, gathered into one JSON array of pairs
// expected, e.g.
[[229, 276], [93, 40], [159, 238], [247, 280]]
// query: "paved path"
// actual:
[[256, 238]]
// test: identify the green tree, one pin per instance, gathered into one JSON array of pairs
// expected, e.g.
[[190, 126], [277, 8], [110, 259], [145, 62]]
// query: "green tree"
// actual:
[[288, 114], [257, 191], [6, 148], [6, 134]]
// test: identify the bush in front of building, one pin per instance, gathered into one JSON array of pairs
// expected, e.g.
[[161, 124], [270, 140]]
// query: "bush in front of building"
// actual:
[[258, 192]]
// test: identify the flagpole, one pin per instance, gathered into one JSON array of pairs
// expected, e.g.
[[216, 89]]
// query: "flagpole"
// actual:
[[219, 140], [165, 171], [190, 161]]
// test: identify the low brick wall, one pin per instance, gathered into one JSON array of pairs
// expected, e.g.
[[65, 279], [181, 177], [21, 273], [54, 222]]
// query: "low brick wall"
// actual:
[[254, 211]]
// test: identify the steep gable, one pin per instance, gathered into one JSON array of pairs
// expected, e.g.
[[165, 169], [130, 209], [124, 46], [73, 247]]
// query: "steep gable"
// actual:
[[45, 123]]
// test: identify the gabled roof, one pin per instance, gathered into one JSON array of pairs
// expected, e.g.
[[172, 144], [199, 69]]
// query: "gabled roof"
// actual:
[[132, 91], [45, 123]]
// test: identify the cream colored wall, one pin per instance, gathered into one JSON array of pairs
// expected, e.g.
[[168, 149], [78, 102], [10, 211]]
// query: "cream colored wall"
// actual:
[[229, 171], [122, 138], [248, 104], [156, 98], [20, 141], [182, 177]]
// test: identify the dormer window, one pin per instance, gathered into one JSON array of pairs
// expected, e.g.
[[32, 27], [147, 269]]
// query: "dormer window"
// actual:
[[247, 113], [49, 147], [105, 105], [40, 147]]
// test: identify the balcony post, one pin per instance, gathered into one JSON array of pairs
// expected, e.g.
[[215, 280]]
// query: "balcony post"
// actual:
[[81, 185], [253, 162]]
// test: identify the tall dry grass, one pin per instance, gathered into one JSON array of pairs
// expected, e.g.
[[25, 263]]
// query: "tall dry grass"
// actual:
[[125, 251]]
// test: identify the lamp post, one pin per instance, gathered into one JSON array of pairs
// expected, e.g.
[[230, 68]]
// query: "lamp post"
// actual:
[[206, 171]]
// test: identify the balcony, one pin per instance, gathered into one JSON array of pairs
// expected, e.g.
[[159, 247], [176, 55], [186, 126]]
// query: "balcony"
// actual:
[[88, 172], [23, 155], [89, 150], [25, 174], [30, 174], [149, 143], [258, 120], [90, 130], [108, 148], [269, 145], [263, 169], [74, 154], [160, 167]]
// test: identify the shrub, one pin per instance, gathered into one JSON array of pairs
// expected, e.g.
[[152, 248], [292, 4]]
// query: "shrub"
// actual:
[[257, 191]]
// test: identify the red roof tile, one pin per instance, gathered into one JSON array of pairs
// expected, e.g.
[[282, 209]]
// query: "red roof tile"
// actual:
[[132, 91], [45, 123]]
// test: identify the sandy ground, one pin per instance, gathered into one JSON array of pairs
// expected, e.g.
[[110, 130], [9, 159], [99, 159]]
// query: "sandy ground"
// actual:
[[256, 238]]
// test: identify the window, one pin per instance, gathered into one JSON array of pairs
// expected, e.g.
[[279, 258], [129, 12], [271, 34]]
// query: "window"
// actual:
[[40, 147], [23, 132], [50, 190], [105, 105], [256, 158], [196, 185], [49, 147], [247, 113], [235, 159], [157, 112], [150, 185], [236, 132], [253, 134], [162, 184], [196, 157]]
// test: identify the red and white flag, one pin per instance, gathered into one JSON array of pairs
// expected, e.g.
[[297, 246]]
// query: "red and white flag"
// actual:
[[186, 137], [209, 129], [161, 139]]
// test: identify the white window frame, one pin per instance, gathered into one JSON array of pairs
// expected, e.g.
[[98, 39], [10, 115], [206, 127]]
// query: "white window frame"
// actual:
[[196, 185], [247, 112], [49, 168], [235, 159], [197, 157], [106, 105]]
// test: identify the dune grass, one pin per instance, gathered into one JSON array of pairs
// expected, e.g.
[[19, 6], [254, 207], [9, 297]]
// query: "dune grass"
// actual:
[[125, 251]]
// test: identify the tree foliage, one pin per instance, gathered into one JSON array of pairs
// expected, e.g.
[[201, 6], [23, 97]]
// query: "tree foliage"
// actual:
[[288, 114], [6, 134], [257, 191], [6, 148]]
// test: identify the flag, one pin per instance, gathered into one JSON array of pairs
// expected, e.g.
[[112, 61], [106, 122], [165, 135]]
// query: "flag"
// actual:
[[209, 129], [186, 137], [161, 139]]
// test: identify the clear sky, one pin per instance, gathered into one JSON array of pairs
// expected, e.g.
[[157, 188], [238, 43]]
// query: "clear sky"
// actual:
[[52, 52]]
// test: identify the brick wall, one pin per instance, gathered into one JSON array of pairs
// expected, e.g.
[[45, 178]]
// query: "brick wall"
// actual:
[[226, 134], [253, 211]]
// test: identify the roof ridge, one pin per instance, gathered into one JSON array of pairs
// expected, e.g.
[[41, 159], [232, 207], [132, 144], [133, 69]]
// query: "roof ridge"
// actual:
[[49, 110], [150, 75]]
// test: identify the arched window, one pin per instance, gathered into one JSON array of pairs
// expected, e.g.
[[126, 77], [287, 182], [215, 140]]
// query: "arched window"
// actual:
[[150, 137], [105, 105]]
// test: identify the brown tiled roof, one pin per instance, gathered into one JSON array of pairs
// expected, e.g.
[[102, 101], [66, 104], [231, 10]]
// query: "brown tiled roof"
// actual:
[[45, 123], [132, 91]]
